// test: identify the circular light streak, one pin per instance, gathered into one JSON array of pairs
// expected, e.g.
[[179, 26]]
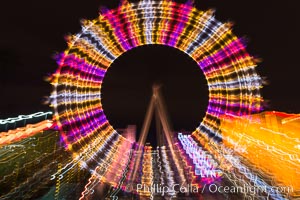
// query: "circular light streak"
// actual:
[[229, 70]]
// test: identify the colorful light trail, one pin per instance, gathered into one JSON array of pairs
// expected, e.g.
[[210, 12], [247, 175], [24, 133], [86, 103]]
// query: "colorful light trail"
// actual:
[[232, 143], [230, 71]]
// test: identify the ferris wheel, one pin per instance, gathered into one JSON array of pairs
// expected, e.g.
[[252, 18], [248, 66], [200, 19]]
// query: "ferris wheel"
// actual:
[[233, 84]]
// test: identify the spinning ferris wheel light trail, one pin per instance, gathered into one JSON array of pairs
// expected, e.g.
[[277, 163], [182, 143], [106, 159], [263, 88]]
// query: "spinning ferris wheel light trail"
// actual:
[[230, 71]]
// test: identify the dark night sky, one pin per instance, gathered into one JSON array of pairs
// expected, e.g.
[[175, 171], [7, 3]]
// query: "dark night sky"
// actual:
[[33, 31]]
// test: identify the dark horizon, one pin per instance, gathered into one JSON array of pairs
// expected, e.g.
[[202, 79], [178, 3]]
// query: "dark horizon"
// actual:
[[34, 32]]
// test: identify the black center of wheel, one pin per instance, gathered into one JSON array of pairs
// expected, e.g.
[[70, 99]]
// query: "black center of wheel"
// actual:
[[127, 87]]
